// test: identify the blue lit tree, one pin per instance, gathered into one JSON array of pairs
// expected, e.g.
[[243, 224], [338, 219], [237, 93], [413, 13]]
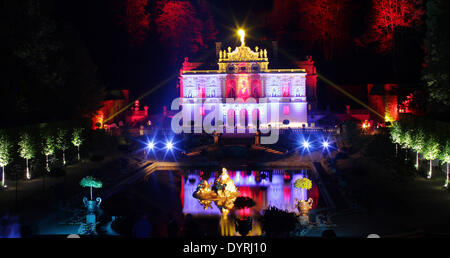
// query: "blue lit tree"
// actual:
[[26, 150], [5, 154]]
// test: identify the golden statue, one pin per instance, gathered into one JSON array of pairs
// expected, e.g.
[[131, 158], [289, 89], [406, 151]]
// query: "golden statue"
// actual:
[[204, 188], [224, 185], [223, 193], [205, 203]]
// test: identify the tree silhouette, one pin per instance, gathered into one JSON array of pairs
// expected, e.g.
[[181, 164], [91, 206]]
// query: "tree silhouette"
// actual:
[[276, 222], [437, 60], [50, 75], [326, 23]]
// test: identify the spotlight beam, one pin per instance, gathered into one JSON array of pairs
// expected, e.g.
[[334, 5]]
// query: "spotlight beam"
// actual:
[[349, 95], [320, 76]]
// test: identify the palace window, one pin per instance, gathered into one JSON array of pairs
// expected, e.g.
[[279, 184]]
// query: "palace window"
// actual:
[[286, 90], [201, 92]]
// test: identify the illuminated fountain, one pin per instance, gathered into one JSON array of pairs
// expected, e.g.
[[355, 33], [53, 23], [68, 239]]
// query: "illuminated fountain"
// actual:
[[223, 193], [266, 188]]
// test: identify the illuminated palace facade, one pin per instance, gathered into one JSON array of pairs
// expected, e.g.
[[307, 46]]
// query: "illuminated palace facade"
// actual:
[[246, 92]]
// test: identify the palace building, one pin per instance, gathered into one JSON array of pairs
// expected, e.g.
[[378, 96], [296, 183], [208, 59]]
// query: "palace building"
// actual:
[[246, 93]]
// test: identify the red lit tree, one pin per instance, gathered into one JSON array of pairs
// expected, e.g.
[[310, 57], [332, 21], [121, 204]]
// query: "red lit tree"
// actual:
[[315, 23], [136, 19], [209, 28], [387, 16], [178, 23], [326, 23], [184, 27]]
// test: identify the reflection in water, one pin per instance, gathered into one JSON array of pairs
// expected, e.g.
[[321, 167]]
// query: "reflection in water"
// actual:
[[266, 188]]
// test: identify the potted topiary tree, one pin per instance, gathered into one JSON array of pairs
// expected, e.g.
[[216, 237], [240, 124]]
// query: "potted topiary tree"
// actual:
[[302, 205], [91, 182], [90, 204]]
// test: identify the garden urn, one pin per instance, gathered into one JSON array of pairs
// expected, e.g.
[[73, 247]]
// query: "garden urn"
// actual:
[[92, 205], [304, 206]]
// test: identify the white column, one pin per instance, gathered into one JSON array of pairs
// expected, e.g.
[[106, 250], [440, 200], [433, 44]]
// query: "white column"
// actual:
[[230, 121], [238, 121], [251, 124]]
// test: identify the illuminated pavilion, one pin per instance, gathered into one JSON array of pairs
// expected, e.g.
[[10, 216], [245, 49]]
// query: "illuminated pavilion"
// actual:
[[246, 92]]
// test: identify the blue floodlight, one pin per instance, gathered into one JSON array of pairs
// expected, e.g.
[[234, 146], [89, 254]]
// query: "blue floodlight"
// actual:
[[169, 145], [326, 144], [150, 145], [305, 144]]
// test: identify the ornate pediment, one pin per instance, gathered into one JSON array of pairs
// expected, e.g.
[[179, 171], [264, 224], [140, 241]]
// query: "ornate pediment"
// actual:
[[243, 54]]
